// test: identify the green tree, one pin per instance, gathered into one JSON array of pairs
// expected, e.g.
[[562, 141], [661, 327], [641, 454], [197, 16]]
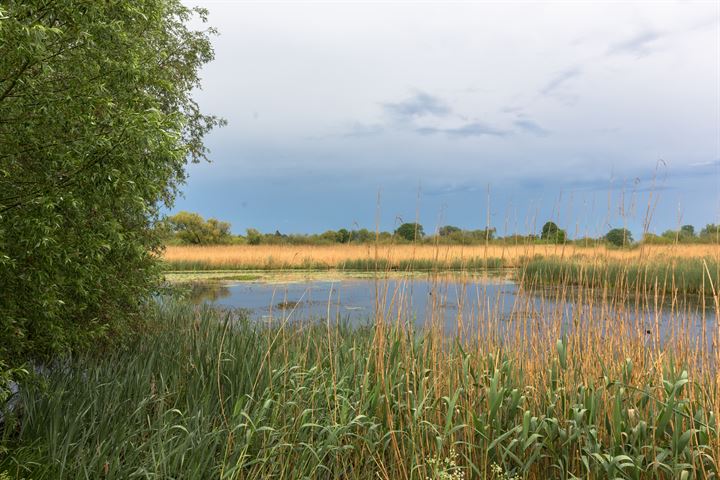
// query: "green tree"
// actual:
[[448, 230], [619, 237], [329, 236], [410, 231], [671, 235], [711, 232], [254, 237], [191, 228], [552, 233], [362, 236], [652, 239], [97, 123], [343, 235], [687, 231], [483, 234]]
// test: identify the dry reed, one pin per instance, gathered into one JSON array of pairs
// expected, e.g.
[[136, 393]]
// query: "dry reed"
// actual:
[[273, 256]]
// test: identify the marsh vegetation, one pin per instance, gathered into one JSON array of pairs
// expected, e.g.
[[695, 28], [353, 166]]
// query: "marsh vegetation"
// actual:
[[497, 388], [602, 361], [204, 394]]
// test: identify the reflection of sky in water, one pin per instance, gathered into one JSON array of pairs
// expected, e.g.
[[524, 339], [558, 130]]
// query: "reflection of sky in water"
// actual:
[[470, 303]]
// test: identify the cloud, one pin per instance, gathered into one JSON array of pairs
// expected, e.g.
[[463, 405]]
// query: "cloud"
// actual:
[[352, 130], [413, 114], [715, 163], [450, 189], [558, 80], [421, 104], [531, 127], [639, 45], [473, 129], [358, 129], [629, 185]]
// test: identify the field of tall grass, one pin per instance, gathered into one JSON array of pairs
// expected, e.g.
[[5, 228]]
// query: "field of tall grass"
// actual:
[[606, 393], [402, 257]]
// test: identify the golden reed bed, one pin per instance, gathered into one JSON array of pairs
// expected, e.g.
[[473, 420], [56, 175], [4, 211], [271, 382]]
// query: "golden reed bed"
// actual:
[[336, 255]]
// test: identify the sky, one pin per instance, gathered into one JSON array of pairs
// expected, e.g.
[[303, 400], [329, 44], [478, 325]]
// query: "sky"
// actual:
[[595, 115]]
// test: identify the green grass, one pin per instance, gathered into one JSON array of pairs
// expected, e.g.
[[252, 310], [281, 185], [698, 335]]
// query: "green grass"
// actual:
[[202, 396], [681, 275]]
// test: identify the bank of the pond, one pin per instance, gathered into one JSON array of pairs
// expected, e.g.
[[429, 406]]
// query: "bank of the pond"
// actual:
[[206, 396], [298, 275], [655, 275], [350, 265]]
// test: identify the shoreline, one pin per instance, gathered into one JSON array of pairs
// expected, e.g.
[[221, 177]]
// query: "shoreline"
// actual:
[[297, 275]]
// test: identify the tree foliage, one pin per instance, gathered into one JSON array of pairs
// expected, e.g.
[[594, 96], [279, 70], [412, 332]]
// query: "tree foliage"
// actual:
[[410, 231], [448, 230], [552, 233], [619, 237], [710, 233], [193, 229], [96, 126]]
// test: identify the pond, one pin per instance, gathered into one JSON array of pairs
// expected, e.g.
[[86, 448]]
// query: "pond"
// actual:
[[466, 304]]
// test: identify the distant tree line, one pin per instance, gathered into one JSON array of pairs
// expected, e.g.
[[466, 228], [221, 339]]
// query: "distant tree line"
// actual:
[[709, 234], [187, 228]]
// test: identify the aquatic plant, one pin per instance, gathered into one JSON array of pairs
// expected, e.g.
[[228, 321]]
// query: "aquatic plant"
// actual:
[[203, 394]]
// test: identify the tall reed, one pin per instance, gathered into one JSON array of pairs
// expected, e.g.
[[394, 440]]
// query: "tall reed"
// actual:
[[203, 394]]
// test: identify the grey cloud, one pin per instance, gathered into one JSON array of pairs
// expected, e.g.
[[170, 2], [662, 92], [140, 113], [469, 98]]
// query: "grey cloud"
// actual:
[[474, 129], [629, 185], [364, 130], [352, 130], [558, 80], [639, 45], [417, 106], [427, 130], [512, 109], [531, 127]]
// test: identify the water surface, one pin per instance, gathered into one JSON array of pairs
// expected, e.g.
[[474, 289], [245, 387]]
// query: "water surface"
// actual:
[[471, 304]]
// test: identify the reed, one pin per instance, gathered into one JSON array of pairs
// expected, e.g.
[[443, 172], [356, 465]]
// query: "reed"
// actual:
[[664, 276], [603, 368], [206, 394], [365, 257]]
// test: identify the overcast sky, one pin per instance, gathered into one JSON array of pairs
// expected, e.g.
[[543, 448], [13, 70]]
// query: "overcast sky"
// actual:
[[573, 111]]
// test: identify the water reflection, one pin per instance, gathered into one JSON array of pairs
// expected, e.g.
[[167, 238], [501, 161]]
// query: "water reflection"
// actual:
[[489, 310], [467, 303], [208, 292]]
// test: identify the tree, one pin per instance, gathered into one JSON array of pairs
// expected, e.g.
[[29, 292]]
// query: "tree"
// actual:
[[671, 235], [329, 236], [619, 237], [483, 234], [362, 236], [448, 230], [254, 237], [97, 123], [410, 231], [552, 233], [191, 228], [652, 239], [710, 232], [343, 236], [686, 233]]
